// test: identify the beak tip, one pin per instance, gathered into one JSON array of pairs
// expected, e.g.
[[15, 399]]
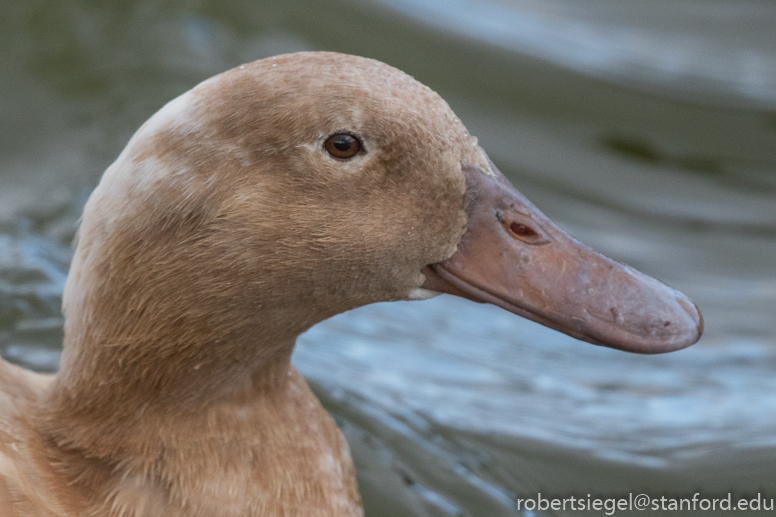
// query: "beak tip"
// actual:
[[682, 328], [701, 324], [692, 334], [696, 317]]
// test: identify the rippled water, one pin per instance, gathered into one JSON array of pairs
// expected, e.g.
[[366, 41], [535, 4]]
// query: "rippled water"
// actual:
[[647, 129]]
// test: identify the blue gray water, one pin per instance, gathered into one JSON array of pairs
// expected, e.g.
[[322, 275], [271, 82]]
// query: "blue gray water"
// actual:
[[646, 129]]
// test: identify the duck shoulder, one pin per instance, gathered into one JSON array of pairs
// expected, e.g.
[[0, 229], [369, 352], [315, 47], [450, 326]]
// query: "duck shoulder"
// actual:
[[22, 467]]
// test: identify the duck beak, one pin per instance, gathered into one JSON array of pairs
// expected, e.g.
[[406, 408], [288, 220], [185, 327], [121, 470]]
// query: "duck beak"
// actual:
[[513, 256]]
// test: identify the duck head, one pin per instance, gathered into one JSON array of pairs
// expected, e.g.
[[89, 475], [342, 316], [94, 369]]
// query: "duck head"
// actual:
[[277, 194]]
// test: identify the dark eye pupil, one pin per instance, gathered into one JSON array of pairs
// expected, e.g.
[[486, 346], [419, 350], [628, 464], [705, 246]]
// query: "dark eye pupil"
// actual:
[[342, 146], [343, 143]]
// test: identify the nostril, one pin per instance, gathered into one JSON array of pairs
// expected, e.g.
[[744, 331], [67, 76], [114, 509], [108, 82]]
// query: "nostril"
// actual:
[[522, 230]]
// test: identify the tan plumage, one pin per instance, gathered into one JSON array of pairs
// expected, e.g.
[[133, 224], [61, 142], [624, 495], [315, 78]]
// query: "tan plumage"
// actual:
[[226, 228], [223, 231]]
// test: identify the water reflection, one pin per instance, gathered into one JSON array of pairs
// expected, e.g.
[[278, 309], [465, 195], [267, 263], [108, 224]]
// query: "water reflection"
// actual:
[[675, 46]]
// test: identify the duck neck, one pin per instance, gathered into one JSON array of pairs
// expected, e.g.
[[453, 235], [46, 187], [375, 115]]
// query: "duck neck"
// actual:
[[118, 406], [164, 324], [194, 434], [237, 450]]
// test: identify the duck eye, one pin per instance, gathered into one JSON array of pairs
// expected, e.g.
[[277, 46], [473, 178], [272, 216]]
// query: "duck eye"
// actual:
[[342, 145]]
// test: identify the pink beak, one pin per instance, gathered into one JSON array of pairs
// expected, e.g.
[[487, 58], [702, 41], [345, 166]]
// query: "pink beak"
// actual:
[[515, 257]]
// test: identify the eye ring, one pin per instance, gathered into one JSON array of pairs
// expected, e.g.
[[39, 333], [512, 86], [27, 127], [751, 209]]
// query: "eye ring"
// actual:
[[343, 145]]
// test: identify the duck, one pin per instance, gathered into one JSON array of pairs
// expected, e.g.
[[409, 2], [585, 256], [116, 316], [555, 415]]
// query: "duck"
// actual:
[[265, 200]]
